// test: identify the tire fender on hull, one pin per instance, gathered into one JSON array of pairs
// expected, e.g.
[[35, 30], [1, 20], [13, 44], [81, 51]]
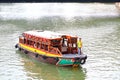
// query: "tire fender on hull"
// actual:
[[83, 60], [16, 46]]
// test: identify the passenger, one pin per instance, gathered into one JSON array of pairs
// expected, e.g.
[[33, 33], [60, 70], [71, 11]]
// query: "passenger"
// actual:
[[79, 45]]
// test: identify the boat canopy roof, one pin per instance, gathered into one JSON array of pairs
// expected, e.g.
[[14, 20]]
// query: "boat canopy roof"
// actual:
[[45, 34]]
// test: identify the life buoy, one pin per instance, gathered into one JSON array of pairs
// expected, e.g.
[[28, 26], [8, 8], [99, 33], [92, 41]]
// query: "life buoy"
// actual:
[[36, 55], [44, 57], [25, 52], [19, 49], [16, 46]]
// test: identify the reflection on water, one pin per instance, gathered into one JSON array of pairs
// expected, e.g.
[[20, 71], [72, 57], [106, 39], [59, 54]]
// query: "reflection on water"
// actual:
[[43, 71], [98, 25]]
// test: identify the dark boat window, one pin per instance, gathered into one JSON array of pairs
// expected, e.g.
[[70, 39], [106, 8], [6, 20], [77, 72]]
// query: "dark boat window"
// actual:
[[56, 41]]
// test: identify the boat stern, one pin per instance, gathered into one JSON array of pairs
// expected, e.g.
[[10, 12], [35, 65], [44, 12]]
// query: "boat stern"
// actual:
[[74, 60]]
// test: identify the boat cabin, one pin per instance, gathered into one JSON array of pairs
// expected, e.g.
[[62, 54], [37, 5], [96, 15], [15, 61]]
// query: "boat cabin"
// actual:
[[52, 42]]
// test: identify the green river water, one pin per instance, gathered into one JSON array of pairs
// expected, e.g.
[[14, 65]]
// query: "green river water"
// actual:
[[98, 25]]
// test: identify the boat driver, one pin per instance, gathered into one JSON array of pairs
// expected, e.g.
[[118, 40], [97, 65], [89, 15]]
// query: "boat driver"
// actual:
[[79, 45]]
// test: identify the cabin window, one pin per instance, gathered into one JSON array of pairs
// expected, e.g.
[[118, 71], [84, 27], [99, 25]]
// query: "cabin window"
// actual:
[[56, 41], [24, 40], [74, 45], [42, 46], [28, 42], [32, 43], [46, 47], [38, 45], [70, 45], [21, 39], [35, 44], [65, 42]]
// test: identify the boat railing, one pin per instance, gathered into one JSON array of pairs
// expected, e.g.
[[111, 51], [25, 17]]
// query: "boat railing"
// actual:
[[54, 50]]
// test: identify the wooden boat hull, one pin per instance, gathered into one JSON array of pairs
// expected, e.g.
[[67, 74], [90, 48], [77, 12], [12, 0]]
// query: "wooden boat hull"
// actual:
[[59, 61]]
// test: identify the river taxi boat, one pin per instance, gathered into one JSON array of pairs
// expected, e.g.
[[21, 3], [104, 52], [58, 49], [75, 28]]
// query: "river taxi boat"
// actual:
[[51, 47]]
